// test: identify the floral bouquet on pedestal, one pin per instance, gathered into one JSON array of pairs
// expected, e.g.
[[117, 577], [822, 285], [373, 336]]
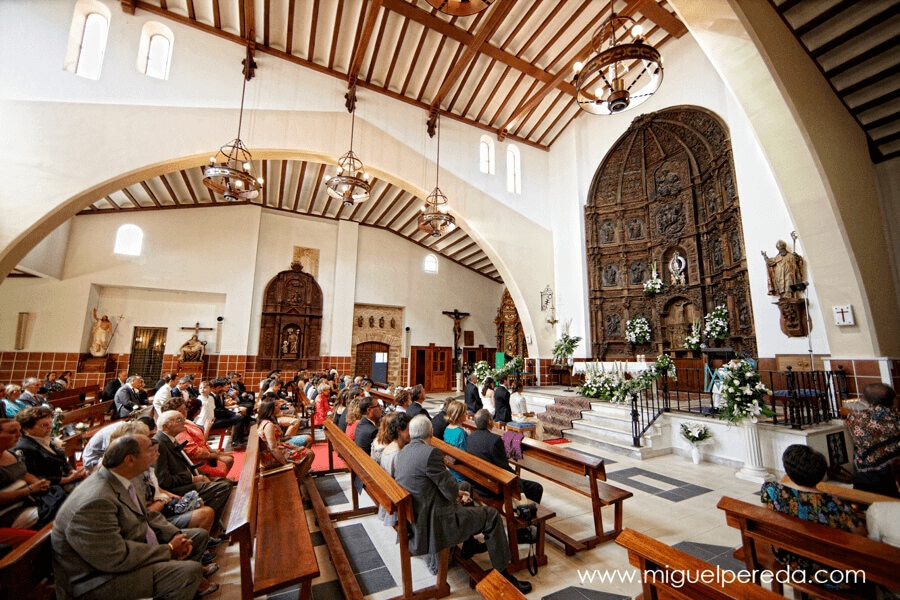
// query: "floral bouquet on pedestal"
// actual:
[[637, 330], [717, 323], [654, 285], [482, 371], [692, 342], [600, 384], [565, 346], [695, 433], [661, 368], [743, 394]]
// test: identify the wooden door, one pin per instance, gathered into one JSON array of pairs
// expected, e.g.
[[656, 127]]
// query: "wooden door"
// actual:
[[147, 348], [432, 367], [371, 360], [440, 370]]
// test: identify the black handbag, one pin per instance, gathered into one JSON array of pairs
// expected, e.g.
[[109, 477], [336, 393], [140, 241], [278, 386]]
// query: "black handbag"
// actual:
[[48, 504]]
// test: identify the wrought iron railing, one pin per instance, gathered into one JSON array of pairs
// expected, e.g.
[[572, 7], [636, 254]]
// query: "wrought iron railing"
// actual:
[[646, 407]]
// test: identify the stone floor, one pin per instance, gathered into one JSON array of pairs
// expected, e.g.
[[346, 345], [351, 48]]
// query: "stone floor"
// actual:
[[674, 502]]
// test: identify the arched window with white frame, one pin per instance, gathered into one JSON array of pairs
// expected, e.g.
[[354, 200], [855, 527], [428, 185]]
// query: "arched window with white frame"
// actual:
[[155, 50], [486, 155], [513, 170], [430, 264], [87, 39], [129, 240]]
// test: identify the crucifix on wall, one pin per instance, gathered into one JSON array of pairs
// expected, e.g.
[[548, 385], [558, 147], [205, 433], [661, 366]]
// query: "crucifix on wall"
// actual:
[[457, 331]]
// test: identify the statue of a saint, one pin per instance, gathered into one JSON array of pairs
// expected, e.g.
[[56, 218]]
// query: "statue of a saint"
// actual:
[[101, 334], [294, 339], [192, 350], [676, 269], [785, 270]]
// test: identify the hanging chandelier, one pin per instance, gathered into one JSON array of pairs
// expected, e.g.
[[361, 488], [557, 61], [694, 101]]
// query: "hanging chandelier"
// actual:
[[622, 74], [351, 182], [460, 8], [435, 220], [230, 171]]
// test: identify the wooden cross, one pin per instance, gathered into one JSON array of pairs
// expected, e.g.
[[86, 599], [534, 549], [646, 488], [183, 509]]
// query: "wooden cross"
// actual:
[[197, 329]]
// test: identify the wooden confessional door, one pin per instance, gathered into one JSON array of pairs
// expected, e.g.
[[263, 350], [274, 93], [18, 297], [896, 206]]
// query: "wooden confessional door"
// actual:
[[432, 367], [148, 345]]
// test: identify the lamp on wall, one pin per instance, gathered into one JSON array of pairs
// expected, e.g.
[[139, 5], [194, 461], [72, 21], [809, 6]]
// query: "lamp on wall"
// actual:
[[435, 219], [351, 182], [21, 330], [230, 171], [622, 74], [460, 8]]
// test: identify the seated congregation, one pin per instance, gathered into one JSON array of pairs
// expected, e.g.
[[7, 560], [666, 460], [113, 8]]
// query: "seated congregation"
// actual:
[[139, 506]]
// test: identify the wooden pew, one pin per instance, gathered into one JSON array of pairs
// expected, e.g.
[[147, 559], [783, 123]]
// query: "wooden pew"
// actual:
[[670, 573], [386, 398], [495, 586], [74, 398], [388, 494], [24, 571], [267, 508], [95, 414], [859, 499], [761, 528], [501, 482], [580, 473]]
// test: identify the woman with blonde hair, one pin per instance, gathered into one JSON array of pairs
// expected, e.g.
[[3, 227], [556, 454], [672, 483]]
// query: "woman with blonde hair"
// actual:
[[454, 434], [353, 417]]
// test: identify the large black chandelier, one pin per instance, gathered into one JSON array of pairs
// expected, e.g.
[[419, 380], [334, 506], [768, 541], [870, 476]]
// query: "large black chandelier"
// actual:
[[350, 183], [435, 218], [622, 74], [230, 171]]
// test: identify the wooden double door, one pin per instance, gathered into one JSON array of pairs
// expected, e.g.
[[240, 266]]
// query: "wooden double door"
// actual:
[[432, 367]]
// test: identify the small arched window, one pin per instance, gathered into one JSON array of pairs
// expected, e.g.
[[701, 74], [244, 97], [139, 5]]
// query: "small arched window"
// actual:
[[129, 240], [431, 264], [513, 170], [155, 50], [486, 155], [87, 39]]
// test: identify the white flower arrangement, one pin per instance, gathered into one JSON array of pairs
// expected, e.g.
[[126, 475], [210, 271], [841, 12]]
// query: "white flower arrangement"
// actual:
[[663, 367], [482, 371], [637, 330], [600, 384], [695, 433], [629, 389], [654, 285], [692, 342], [717, 323], [743, 393]]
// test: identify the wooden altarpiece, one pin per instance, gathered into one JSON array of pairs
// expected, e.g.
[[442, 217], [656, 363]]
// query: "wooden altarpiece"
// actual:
[[291, 322], [666, 193], [510, 336]]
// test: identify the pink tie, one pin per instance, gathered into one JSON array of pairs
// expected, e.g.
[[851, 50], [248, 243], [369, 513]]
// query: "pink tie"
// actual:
[[151, 536]]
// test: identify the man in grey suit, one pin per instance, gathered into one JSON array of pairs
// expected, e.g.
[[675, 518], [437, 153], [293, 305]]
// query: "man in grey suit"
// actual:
[[441, 521], [128, 397], [30, 396], [107, 545]]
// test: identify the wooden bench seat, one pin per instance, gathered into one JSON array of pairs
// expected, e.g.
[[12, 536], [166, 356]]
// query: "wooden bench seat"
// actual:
[[75, 398], [670, 573], [267, 508], [495, 586], [386, 493], [25, 570], [761, 528]]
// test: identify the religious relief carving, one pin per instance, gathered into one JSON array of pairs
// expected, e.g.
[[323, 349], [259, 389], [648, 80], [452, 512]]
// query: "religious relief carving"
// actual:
[[636, 229], [393, 323], [371, 321], [381, 322], [192, 350], [291, 322], [671, 220], [638, 272], [793, 317], [607, 232], [510, 335], [359, 321], [667, 189], [610, 275]]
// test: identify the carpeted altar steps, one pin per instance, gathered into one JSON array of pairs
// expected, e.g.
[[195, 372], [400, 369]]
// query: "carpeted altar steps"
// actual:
[[559, 415]]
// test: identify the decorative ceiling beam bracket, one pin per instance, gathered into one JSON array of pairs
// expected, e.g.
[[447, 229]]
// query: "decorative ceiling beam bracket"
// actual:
[[431, 124], [350, 97]]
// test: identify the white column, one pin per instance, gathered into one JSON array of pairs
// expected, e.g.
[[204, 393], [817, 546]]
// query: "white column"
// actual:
[[347, 245], [753, 465]]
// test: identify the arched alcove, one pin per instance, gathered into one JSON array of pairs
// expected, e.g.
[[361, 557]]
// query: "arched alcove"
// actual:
[[664, 195]]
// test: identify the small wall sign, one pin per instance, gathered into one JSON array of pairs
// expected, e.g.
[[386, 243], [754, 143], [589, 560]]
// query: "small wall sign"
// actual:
[[843, 316]]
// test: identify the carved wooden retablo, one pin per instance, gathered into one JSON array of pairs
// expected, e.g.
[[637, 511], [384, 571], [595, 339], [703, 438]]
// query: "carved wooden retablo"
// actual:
[[291, 323], [510, 336], [666, 193]]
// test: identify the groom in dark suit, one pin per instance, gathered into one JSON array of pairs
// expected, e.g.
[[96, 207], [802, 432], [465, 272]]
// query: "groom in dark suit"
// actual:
[[175, 471], [473, 400], [108, 545], [441, 521], [502, 412]]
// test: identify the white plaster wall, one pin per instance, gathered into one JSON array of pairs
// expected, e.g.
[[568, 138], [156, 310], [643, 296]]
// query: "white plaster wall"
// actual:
[[391, 273], [47, 258], [689, 80], [888, 176]]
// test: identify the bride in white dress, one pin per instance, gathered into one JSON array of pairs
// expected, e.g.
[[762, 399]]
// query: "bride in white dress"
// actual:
[[487, 394]]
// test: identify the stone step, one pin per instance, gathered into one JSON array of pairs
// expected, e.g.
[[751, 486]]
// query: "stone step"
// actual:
[[611, 408], [615, 432], [621, 419], [615, 447]]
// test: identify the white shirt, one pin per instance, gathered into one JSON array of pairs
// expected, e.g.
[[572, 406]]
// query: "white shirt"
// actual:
[[164, 393], [207, 412], [883, 522], [517, 404], [183, 453]]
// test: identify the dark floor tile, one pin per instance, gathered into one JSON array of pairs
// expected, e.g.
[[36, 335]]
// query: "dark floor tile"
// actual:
[[291, 593], [727, 562], [360, 562], [715, 550], [317, 538], [576, 593], [695, 490], [331, 491], [361, 552], [696, 550], [377, 580], [330, 590], [671, 495]]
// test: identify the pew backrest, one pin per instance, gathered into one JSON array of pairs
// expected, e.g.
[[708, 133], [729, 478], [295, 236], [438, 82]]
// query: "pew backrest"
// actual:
[[25, 567], [670, 573], [74, 398], [239, 515], [91, 415], [485, 474], [762, 526], [386, 398]]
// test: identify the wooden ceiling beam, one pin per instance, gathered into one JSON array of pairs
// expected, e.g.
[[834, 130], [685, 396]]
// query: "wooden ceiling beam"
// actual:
[[150, 193], [375, 50], [314, 192], [402, 211], [299, 186], [281, 183], [508, 96], [217, 15], [400, 39], [461, 250], [289, 36], [190, 9], [656, 13], [824, 17], [556, 120], [169, 189], [432, 68], [410, 222], [266, 12], [414, 61], [875, 102], [111, 203], [499, 11], [358, 207], [462, 86], [143, 5], [335, 34], [265, 186], [855, 31], [390, 207], [563, 128], [493, 92], [312, 33], [190, 188], [374, 205], [549, 110], [362, 40]]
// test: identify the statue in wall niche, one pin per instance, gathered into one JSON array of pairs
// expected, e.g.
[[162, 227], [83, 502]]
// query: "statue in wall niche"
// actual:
[[636, 229], [735, 240], [610, 275], [717, 255], [192, 350], [101, 335], [638, 273], [293, 341], [711, 204], [676, 268], [607, 232], [612, 325], [285, 347], [784, 270]]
